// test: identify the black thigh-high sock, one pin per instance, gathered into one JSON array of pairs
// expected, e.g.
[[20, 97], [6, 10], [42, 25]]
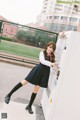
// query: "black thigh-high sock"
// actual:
[[15, 88], [32, 99]]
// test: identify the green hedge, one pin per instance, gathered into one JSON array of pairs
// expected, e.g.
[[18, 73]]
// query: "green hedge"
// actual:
[[6, 38]]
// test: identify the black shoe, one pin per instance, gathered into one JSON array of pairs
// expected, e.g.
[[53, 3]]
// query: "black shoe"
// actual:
[[7, 99], [29, 109]]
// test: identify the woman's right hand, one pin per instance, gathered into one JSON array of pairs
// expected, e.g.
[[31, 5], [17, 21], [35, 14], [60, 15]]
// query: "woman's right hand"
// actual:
[[54, 65]]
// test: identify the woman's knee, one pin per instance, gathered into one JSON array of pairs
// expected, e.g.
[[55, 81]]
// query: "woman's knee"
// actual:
[[36, 88], [24, 82]]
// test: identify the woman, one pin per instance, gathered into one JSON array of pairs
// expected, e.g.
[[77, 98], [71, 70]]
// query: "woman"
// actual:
[[39, 75]]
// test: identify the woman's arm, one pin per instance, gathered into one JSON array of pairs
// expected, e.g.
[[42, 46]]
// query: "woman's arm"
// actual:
[[43, 61]]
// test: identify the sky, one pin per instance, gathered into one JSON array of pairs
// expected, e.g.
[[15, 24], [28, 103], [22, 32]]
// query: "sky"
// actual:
[[21, 11]]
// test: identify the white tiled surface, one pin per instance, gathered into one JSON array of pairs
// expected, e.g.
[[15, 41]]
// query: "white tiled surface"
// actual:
[[16, 111]]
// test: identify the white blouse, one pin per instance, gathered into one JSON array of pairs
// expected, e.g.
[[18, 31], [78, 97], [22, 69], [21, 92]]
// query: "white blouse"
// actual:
[[42, 59]]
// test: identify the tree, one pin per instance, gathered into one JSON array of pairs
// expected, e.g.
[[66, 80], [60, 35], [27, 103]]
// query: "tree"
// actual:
[[35, 37], [21, 34]]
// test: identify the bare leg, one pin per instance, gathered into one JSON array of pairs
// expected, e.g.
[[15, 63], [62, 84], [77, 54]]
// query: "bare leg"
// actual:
[[24, 82], [36, 88]]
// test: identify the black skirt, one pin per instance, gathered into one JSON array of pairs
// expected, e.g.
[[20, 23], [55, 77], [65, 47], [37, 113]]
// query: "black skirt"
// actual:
[[39, 75]]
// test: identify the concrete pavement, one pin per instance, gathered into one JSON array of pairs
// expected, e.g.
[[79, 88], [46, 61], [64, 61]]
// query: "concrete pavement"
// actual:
[[10, 75], [16, 111]]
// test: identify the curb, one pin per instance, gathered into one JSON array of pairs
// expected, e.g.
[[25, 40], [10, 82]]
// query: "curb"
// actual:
[[16, 63], [18, 60]]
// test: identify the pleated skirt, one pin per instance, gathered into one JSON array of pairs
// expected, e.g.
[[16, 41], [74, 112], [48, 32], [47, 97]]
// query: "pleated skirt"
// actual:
[[39, 75]]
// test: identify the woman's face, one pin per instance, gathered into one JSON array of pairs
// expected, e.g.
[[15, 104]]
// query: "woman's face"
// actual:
[[49, 49]]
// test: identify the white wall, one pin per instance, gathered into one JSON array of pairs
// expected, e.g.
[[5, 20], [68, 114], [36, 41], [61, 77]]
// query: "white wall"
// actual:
[[64, 100], [67, 105]]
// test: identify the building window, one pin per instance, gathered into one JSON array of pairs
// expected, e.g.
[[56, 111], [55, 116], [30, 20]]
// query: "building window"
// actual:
[[45, 4], [70, 27], [59, 5], [56, 17], [75, 28], [73, 19], [63, 18], [45, 0], [44, 7], [50, 17], [43, 11], [59, 9]]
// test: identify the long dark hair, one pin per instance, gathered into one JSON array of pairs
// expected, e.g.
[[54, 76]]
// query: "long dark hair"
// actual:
[[52, 56]]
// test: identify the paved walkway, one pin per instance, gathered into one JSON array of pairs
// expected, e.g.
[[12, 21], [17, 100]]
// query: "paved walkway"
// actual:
[[18, 60], [10, 75]]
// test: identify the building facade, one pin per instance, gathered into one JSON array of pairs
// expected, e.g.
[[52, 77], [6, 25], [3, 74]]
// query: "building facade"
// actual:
[[8, 29], [59, 17]]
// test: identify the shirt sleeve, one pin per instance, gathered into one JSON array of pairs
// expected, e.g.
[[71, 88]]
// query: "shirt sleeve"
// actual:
[[43, 61]]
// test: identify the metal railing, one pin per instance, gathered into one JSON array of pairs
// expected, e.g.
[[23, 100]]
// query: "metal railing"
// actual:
[[15, 37], [26, 34]]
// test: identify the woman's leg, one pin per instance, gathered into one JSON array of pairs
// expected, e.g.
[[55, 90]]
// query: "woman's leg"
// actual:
[[20, 84], [33, 96]]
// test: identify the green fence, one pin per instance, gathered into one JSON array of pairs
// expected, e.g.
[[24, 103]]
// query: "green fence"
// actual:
[[15, 38]]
